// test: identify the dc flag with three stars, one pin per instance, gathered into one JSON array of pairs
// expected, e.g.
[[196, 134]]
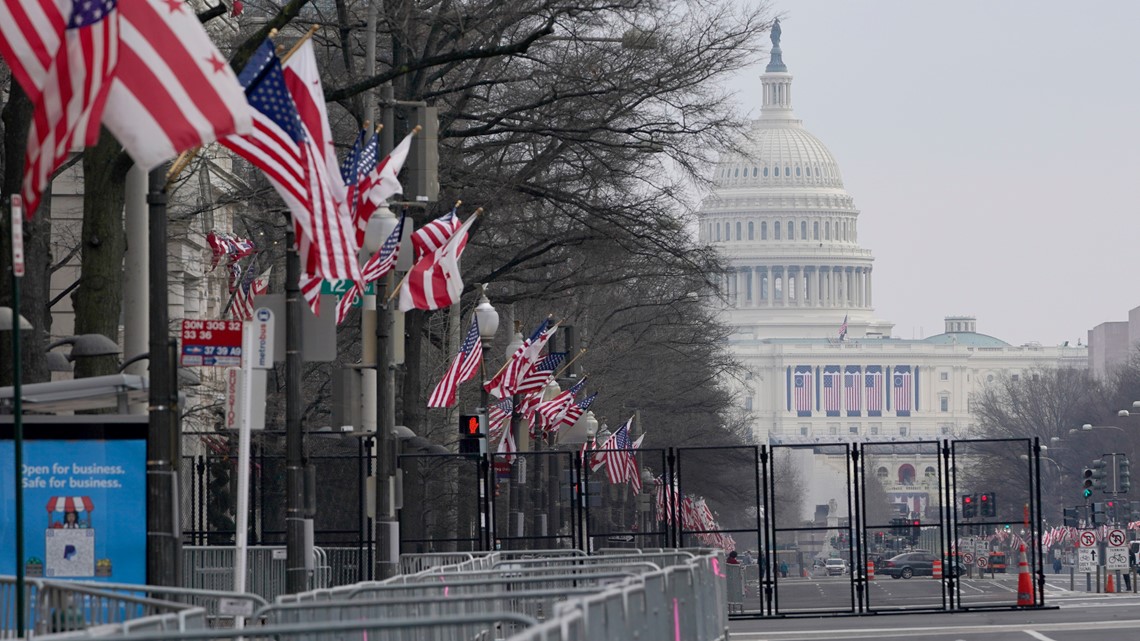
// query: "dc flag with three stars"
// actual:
[[172, 90]]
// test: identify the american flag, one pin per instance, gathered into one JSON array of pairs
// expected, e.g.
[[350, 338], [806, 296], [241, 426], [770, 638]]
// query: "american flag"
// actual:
[[831, 378], [803, 390], [250, 288], [504, 383], [462, 369], [233, 248], [435, 281], [851, 380], [64, 55], [352, 161], [843, 328], [173, 90], [376, 268], [365, 162], [902, 390], [575, 412], [498, 415], [380, 184], [328, 243], [311, 291], [507, 446], [433, 235], [874, 385], [535, 379], [552, 411]]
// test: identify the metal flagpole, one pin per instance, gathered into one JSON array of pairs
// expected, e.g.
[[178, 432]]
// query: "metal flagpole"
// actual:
[[16, 215]]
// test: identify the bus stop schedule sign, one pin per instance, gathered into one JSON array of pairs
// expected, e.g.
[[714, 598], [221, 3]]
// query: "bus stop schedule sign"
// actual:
[[211, 343]]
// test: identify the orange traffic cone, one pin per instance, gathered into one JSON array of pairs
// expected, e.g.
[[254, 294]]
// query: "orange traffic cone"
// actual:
[[1024, 581], [1109, 585]]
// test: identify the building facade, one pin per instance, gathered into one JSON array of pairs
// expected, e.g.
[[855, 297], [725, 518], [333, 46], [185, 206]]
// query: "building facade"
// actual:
[[822, 366]]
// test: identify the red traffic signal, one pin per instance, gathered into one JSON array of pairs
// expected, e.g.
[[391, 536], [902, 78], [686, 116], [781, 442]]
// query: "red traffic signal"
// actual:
[[469, 425]]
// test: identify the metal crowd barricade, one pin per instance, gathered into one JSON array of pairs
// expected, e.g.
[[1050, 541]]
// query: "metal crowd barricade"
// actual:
[[220, 607], [212, 568], [65, 606]]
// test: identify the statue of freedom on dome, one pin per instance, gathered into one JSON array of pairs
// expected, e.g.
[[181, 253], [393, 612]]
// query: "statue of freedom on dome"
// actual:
[[776, 31]]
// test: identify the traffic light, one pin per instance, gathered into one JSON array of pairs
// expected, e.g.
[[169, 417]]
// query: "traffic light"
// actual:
[[1071, 517], [1123, 474], [1124, 512], [1099, 473], [422, 167], [988, 502], [1088, 484], [472, 429], [969, 507], [1098, 516], [915, 531]]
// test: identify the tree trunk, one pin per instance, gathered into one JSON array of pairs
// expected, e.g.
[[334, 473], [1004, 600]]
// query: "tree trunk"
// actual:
[[99, 298], [35, 286]]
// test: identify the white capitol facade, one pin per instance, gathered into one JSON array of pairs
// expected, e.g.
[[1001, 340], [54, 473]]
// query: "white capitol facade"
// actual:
[[789, 232]]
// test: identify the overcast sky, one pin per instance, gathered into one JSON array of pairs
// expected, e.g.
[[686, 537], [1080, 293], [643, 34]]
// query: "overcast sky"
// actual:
[[993, 149]]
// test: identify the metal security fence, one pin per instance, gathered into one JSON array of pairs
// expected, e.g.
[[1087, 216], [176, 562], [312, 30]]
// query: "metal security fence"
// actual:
[[212, 568]]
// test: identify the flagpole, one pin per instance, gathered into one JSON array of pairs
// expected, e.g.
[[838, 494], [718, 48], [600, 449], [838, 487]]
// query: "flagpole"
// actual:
[[301, 41], [567, 365]]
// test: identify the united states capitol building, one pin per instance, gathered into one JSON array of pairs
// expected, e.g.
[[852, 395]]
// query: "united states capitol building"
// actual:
[[789, 233]]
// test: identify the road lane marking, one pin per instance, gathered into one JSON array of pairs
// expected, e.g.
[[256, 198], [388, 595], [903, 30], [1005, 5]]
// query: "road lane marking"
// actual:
[[1038, 635], [866, 633]]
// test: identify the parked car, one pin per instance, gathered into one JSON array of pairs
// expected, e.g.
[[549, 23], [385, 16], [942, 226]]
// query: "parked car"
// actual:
[[835, 567], [906, 565]]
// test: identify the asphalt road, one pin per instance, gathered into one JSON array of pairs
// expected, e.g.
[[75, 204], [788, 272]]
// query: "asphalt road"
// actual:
[[1072, 616]]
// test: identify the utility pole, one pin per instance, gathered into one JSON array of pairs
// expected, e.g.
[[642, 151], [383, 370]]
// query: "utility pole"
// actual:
[[164, 537], [298, 546], [387, 527]]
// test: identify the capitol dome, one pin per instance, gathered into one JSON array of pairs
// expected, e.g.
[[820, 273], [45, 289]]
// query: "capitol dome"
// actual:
[[779, 214]]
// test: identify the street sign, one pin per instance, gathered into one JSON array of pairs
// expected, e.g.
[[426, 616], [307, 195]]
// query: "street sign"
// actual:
[[211, 343], [1087, 539], [341, 287], [983, 562], [1116, 558], [1116, 538], [261, 338], [17, 213], [982, 547], [1086, 560], [968, 558], [620, 538], [235, 396]]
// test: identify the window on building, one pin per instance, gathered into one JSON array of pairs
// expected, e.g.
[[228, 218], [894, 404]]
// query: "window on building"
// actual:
[[736, 173], [943, 376], [833, 430], [748, 404], [904, 430], [929, 472], [853, 429], [718, 231], [776, 230], [815, 230], [906, 474], [990, 378], [945, 429], [881, 472], [765, 172], [1036, 378], [803, 230], [827, 230], [738, 236], [755, 170], [805, 430], [763, 231], [797, 172], [874, 429], [787, 171], [944, 403], [1016, 377], [751, 227], [791, 230]]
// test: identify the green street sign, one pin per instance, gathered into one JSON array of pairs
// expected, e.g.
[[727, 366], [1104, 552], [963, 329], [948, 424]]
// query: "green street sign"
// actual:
[[341, 287]]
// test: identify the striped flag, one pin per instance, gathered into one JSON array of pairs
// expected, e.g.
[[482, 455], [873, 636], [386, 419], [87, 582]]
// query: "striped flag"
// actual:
[[551, 412], [620, 464], [435, 281], [431, 236], [575, 412], [507, 445], [803, 390], [902, 390], [843, 329], [379, 184], [851, 380], [874, 384], [508, 379], [328, 243], [173, 90], [250, 288], [462, 369], [831, 392], [64, 54], [498, 415], [311, 292], [376, 268], [542, 371], [665, 498]]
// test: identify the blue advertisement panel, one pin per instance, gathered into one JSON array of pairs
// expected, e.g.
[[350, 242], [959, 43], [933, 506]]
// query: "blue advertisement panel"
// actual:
[[84, 499]]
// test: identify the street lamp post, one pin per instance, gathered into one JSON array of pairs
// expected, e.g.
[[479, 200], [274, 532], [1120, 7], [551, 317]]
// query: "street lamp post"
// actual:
[[488, 321], [515, 518], [591, 424]]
